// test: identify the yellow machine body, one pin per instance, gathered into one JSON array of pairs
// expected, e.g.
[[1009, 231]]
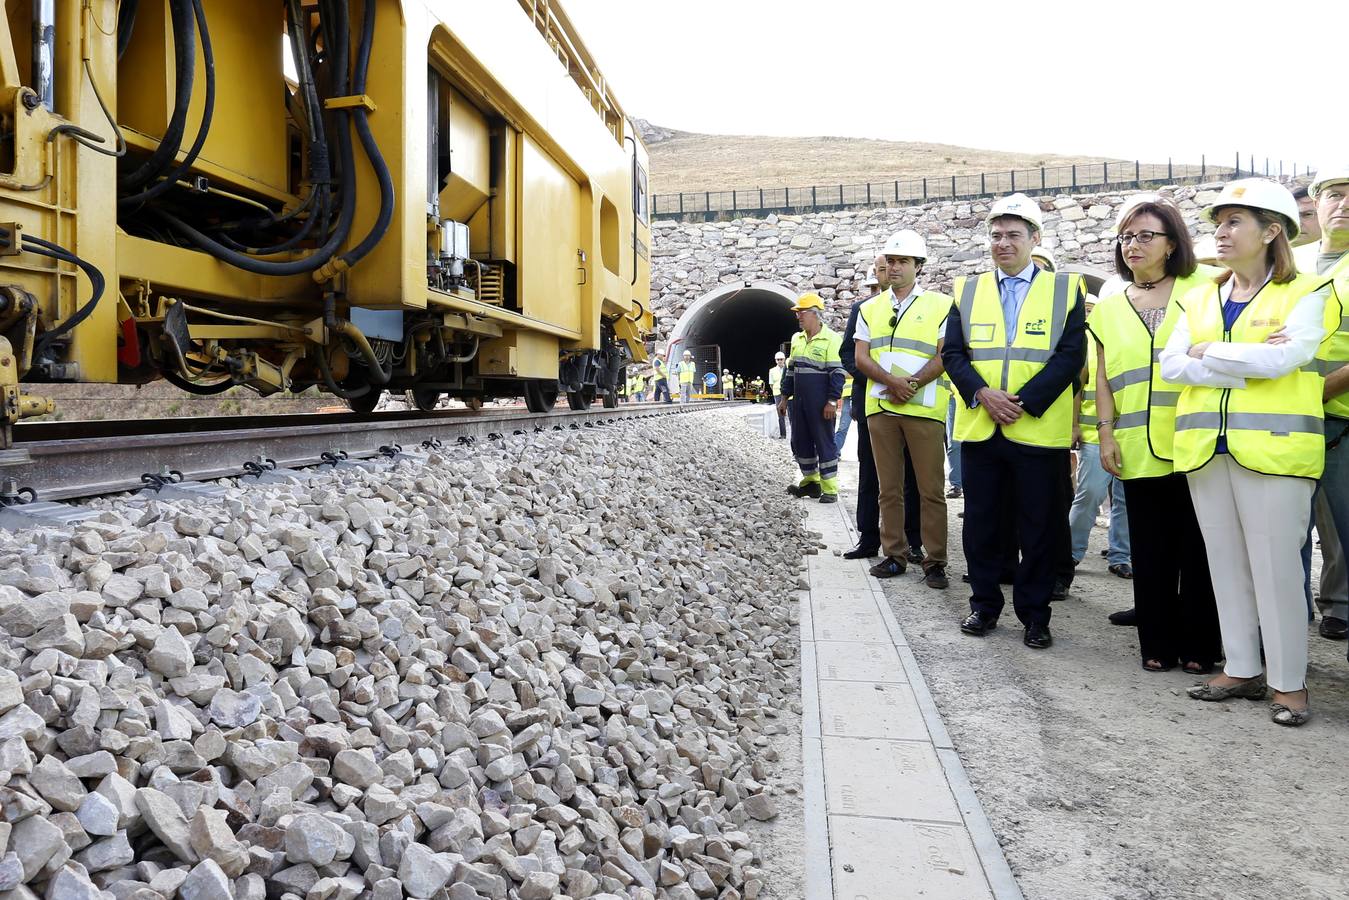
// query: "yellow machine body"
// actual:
[[514, 261]]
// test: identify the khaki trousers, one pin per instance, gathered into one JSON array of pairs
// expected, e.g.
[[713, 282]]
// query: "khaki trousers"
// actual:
[[926, 440]]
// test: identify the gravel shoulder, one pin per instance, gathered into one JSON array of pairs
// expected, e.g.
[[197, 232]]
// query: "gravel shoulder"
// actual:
[[1103, 781]]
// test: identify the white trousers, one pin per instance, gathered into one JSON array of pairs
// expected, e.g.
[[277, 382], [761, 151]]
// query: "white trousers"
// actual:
[[1254, 526]]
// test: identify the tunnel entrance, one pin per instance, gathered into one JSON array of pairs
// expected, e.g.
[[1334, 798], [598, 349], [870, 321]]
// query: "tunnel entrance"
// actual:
[[749, 321]]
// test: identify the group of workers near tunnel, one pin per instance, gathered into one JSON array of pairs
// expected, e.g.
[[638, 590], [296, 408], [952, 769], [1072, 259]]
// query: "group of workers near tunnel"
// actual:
[[1217, 396], [639, 384]]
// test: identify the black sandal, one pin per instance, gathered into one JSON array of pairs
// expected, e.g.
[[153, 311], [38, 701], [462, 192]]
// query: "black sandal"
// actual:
[[1158, 666], [1197, 668]]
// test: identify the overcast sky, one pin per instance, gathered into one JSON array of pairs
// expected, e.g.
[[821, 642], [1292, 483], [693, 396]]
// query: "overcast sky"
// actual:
[[1130, 79]]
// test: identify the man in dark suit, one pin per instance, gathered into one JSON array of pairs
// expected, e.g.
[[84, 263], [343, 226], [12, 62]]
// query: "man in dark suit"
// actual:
[[868, 488], [1015, 343]]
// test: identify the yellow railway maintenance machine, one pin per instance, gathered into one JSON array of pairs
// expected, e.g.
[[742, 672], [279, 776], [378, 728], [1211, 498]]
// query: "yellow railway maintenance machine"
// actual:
[[434, 196]]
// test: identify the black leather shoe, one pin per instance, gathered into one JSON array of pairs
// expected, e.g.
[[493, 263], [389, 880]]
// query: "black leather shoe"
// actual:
[[888, 568], [828, 498], [1037, 637], [812, 490], [860, 552], [1060, 591], [1125, 617], [794, 490], [935, 577], [978, 624], [915, 555], [1332, 628]]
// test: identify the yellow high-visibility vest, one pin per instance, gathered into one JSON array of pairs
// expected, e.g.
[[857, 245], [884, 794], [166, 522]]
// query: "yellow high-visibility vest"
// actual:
[[1274, 425], [1007, 364], [1145, 404], [686, 371], [917, 332], [1337, 353]]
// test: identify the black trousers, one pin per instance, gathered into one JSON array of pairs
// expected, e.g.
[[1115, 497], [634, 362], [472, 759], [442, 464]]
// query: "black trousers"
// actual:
[[868, 488], [1173, 593], [1064, 567], [994, 474]]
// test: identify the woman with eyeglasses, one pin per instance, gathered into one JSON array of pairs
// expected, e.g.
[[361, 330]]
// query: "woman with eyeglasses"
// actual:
[[1173, 594], [1249, 437]]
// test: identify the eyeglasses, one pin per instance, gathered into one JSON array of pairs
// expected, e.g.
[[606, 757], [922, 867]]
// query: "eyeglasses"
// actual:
[[1143, 237]]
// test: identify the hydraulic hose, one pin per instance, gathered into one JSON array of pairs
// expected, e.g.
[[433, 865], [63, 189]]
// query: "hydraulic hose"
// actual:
[[39, 247], [368, 144], [333, 387], [207, 113], [185, 64], [126, 24]]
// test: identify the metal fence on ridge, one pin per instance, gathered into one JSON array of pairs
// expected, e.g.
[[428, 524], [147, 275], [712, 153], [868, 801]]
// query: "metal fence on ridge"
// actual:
[[1122, 175]]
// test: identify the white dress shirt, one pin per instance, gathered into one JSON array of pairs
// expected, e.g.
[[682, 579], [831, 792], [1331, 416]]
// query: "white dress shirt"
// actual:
[[862, 331], [1228, 365]]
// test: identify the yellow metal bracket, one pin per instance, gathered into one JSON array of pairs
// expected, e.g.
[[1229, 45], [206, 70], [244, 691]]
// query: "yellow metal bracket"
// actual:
[[350, 102]]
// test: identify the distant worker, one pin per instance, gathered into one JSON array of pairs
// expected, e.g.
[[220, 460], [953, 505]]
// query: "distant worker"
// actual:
[[775, 377], [1308, 244], [662, 380], [1015, 344], [727, 384], [898, 348], [637, 387], [687, 371], [1251, 437], [811, 389], [868, 490], [1330, 191]]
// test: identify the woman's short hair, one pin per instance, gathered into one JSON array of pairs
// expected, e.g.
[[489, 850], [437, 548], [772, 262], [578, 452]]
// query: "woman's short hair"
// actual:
[[1279, 252], [1181, 263]]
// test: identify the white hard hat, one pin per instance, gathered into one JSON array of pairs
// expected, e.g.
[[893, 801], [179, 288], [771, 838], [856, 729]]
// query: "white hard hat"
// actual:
[[1043, 253], [1328, 175], [905, 243], [779, 355], [688, 353], [1132, 204], [1257, 193], [871, 280], [1018, 205]]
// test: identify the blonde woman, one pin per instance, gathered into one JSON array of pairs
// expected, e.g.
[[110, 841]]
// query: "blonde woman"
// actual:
[[1249, 437]]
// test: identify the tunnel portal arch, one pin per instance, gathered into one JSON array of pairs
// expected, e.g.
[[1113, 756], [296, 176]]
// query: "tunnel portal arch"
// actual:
[[748, 320]]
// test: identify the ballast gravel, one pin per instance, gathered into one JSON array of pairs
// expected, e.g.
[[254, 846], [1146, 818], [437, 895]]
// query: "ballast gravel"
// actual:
[[550, 665]]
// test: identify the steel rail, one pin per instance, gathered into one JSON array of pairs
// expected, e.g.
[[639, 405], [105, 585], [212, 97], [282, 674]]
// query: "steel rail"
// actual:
[[73, 460]]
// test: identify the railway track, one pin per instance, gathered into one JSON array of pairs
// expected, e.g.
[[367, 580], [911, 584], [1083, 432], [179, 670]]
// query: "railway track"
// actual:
[[74, 460]]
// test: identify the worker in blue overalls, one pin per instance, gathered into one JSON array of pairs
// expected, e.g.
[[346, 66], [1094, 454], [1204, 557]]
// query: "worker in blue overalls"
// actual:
[[811, 389]]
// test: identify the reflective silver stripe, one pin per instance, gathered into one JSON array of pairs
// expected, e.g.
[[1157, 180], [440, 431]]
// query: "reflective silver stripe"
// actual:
[[967, 304], [1061, 282], [881, 343], [1344, 323], [1021, 354], [1088, 395], [817, 366], [1157, 354], [1130, 376], [1192, 421], [1325, 366], [808, 460], [1164, 398], [1275, 423], [1089, 420], [1131, 420]]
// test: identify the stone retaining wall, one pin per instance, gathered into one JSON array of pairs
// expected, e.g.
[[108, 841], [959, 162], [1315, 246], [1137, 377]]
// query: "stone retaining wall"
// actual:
[[830, 251]]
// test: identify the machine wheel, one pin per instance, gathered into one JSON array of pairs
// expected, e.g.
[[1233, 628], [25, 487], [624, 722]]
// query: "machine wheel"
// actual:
[[540, 397], [611, 399], [367, 401], [576, 400], [424, 399]]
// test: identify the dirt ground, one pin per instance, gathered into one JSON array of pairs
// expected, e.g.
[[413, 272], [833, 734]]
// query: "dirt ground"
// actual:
[[1104, 781], [718, 162]]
